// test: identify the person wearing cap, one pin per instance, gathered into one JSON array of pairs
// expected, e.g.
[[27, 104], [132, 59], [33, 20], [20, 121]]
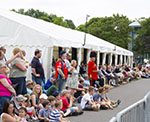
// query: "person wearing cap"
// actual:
[[21, 100], [67, 103], [92, 68], [37, 68], [29, 86], [67, 60], [61, 71]]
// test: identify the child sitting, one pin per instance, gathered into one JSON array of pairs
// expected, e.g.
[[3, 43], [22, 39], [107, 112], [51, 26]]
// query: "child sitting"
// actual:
[[87, 102], [99, 98], [113, 103], [56, 115], [45, 112], [22, 114], [56, 94], [52, 101]]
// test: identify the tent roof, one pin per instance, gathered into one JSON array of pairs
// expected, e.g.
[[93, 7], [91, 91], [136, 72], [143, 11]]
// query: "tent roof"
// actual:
[[17, 29]]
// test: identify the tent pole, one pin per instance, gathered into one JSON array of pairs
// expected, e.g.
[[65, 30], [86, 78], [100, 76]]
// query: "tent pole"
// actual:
[[104, 59], [98, 57], [79, 59]]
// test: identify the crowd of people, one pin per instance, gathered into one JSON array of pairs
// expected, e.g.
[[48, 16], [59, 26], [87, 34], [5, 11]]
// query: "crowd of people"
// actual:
[[68, 92]]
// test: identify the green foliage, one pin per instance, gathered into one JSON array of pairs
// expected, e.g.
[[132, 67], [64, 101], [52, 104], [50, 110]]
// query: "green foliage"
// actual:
[[104, 28], [46, 17], [142, 43]]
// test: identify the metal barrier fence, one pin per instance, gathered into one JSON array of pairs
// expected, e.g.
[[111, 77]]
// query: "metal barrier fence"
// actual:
[[138, 112]]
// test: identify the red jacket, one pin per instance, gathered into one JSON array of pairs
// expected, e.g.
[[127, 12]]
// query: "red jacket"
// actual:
[[92, 70], [62, 65]]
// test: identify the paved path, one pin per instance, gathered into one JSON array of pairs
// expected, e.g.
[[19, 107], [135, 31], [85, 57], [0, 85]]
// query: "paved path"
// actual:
[[128, 94]]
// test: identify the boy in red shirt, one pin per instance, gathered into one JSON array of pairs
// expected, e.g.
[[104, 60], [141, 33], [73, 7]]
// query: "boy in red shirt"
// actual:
[[67, 107]]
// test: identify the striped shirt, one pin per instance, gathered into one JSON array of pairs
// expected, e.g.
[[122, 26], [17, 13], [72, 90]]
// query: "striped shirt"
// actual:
[[55, 115]]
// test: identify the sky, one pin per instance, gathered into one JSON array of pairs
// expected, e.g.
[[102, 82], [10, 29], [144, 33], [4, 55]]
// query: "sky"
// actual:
[[77, 10]]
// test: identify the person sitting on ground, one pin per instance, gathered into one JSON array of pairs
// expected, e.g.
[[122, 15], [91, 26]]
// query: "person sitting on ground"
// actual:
[[56, 114], [21, 100], [86, 80], [99, 98], [106, 98], [53, 88], [109, 76], [44, 113], [50, 81], [30, 109], [8, 113], [30, 85], [67, 106], [42, 98], [80, 92], [56, 94], [118, 73], [37, 91], [23, 114], [87, 102], [52, 101]]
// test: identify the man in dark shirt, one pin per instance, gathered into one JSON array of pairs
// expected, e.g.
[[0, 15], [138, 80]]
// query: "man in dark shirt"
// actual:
[[37, 68]]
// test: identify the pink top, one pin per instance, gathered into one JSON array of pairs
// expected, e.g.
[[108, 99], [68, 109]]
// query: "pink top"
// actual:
[[4, 91]]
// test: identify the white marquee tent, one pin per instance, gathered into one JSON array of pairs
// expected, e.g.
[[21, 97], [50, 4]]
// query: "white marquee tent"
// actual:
[[30, 33]]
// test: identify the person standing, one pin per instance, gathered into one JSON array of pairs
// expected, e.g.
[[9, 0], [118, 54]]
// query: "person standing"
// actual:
[[37, 68], [61, 71], [6, 90], [73, 78], [18, 69], [92, 69], [3, 49], [67, 60]]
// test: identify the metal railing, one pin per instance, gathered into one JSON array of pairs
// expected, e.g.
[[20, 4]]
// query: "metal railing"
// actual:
[[138, 112]]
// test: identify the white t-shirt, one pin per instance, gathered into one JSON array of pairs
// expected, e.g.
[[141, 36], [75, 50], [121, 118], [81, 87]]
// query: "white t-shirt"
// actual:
[[86, 99]]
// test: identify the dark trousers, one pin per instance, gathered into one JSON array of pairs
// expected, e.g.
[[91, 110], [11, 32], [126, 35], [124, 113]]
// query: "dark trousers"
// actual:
[[92, 82], [37, 80], [19, 85]]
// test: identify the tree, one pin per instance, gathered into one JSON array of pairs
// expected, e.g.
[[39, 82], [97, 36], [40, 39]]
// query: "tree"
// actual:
[[142, 43], [103, 28], [70, 24], [46, 17]]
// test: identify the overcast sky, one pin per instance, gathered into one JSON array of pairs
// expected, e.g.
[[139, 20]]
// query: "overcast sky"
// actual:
[[76, 10]]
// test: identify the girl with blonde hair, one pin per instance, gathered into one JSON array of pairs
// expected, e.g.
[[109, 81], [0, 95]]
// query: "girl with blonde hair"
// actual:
[[37, 91]]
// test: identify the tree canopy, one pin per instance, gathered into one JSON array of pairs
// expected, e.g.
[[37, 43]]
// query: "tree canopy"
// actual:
[[113, 29], [142, 42], [47, 17]]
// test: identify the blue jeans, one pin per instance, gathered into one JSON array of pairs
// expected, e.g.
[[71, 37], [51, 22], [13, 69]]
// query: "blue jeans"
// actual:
[[37, 80], [19, 85], [2, 100], [61, 84]]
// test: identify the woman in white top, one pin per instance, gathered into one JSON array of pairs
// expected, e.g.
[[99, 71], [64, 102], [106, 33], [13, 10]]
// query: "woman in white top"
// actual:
[[73, 78], [8, 114]]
